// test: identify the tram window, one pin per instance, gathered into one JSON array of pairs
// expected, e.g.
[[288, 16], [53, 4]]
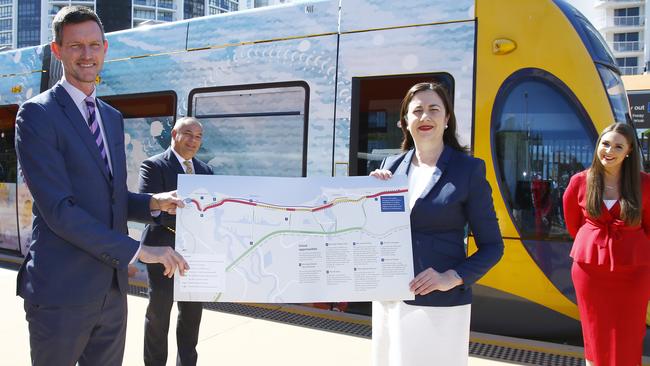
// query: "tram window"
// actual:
[[8, 164], [254, 129], [615, 93], [598, 47], [148, 121], [541, 137], [375, 132], [8, 174]]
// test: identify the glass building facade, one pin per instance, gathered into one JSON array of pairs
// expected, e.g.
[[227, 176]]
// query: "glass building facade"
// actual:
[[115, 14], [249, 4], [6, 24], [154, 11], [51, 7], [28, 31], [193, 8], [222, 6]]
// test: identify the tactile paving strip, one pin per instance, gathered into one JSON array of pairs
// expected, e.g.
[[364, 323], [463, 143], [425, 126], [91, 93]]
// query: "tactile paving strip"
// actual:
[[526, 357], [478, 349], [281, 315]]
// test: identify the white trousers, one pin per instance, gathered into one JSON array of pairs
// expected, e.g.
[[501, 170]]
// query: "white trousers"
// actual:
[[409, 335]]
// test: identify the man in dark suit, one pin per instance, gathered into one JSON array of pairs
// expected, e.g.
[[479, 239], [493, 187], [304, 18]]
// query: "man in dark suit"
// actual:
[[159, 174], [70, 146]]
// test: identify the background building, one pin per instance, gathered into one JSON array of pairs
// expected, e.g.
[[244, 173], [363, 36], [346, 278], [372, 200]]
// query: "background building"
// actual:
[[29, 22], [157, 11], [623, 25], [7, 26], [249, 4], [49, 8]]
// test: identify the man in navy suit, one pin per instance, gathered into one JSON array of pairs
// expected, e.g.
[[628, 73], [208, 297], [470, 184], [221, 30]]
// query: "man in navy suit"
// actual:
[[159, 174], [70, 146]]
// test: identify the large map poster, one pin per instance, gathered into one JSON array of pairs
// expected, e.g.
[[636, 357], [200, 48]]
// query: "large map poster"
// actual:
[[284, 240]]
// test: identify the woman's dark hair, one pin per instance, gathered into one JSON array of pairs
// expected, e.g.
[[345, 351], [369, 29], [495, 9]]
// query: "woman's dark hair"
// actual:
[[630, 199], [449, 136]]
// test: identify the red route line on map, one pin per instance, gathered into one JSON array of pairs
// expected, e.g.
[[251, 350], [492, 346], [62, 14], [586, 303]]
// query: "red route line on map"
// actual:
[[318, 208]]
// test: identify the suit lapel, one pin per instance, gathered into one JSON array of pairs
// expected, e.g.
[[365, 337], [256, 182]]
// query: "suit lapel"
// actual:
[[79, 124], [173, 161], [405, 164], [441, 165], [198, 167]]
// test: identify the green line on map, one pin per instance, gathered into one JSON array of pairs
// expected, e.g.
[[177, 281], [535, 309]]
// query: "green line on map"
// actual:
[[287, 232]]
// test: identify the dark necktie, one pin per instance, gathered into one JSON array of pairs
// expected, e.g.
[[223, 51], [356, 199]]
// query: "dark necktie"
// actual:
[[93, 124]]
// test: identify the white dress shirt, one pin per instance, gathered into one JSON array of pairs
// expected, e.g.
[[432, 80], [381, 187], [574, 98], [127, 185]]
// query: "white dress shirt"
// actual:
[[181, 160], [78, 97], [418, 177]]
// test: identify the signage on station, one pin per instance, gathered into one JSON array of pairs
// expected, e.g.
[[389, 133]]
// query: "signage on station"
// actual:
[[640, 108]]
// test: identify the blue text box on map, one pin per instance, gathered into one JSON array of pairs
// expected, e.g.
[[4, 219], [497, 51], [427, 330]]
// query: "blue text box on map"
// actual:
[[392, 204]]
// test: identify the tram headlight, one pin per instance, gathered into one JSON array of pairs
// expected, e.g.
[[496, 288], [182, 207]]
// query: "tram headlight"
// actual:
[[615, 93]]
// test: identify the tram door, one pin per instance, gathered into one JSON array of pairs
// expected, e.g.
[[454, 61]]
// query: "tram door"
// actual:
[[9, 238], [148, 121], [375, 131]]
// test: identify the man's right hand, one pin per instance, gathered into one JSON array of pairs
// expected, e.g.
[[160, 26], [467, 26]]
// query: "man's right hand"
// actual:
[[165, 201], [166, 256]]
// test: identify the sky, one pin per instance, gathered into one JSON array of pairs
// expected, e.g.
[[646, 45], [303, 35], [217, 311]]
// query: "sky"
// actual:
[[586, 7]]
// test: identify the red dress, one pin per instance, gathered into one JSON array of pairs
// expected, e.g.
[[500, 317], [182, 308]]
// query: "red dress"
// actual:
[[611, 275]]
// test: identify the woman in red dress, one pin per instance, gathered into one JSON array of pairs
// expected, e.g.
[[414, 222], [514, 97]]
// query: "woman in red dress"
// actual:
[[604, 212]]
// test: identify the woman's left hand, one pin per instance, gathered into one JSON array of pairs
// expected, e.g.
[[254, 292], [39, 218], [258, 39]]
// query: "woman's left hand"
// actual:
[[383, 174], [431, 280]]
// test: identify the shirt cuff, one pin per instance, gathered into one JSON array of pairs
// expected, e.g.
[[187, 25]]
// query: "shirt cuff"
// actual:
[[135, 257], [464, 285], [155, 213]]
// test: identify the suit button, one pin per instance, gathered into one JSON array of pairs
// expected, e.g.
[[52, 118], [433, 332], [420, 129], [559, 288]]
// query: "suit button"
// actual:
[[115, 262], [105, 256]]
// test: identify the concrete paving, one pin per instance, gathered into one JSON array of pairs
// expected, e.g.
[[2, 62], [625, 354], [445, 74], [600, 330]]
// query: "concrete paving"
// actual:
[[224, 339]]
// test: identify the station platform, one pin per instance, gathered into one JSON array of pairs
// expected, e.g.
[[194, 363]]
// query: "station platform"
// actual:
[[229, 339]]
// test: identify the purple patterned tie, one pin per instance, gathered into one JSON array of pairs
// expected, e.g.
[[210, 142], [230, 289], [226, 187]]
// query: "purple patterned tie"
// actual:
[[95, 130]]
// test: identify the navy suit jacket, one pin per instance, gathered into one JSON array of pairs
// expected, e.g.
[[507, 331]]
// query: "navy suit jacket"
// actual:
[[79, 235], [456, 196], [158, 174]]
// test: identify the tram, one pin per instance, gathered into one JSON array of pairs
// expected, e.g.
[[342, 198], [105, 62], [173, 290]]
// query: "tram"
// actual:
[[320, 82]]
